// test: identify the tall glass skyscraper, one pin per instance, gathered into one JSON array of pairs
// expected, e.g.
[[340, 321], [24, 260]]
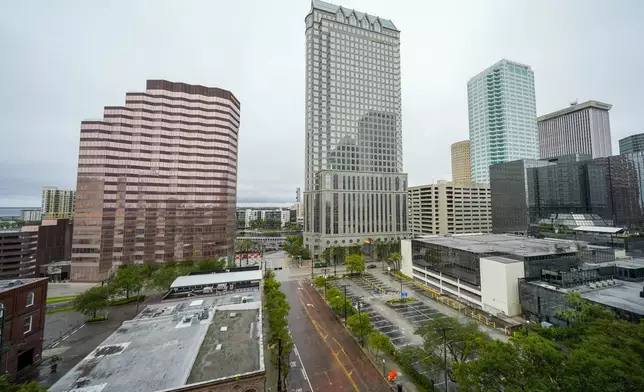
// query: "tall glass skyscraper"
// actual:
[[502, 116], [355, 191]]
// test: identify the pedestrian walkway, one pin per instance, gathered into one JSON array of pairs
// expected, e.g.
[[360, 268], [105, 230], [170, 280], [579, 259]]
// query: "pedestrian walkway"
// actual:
[[389, 365]]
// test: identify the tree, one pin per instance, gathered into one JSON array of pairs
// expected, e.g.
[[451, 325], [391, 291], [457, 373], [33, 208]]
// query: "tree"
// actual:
[[305, 254], [338, 254], [31, 386], [355, 263], [210, 265], [381, 343], [92, 301], [360, 324], [326, 255], [395, 259], [128, 279], [463, 340], [162, 279], [244, 247]]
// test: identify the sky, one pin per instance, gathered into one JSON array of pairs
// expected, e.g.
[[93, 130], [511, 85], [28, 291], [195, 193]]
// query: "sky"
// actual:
[[62, 61]]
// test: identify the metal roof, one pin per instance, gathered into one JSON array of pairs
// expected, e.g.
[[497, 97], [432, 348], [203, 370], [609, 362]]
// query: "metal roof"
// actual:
[[599, 229], [213, 279]]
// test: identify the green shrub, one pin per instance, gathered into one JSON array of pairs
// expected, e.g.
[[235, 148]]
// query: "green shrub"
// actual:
[[124, 301], [96, 319], [58, 310], [56, 300]]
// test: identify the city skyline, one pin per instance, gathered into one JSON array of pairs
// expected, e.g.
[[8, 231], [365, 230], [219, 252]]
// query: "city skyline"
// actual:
[[434, 92]]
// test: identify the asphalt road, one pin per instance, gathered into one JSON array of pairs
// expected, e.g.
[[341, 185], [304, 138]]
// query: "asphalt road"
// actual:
[[330, 357]]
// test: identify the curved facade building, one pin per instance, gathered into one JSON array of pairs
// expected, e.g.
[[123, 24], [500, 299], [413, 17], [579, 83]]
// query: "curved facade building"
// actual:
[[461, 162], [157, 179]]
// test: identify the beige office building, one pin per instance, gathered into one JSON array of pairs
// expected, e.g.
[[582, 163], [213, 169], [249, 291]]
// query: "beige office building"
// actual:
[[57, 203], [461, 162], [449, 207]]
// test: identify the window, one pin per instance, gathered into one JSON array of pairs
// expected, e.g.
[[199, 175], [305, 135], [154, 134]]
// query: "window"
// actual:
[[28, 324], [30, 299]]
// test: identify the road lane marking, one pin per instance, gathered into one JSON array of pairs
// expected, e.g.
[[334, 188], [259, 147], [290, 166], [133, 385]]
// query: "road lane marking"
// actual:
[[297, 353], [328, 378], [353, 383]]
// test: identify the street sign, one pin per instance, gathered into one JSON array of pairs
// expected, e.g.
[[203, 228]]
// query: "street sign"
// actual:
[[404, 294]]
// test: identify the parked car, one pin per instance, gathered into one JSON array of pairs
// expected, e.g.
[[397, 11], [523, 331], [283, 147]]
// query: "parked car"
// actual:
[[372, 266]]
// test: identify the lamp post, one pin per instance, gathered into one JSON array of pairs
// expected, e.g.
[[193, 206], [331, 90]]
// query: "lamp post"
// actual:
[[345, 304], [444, 331], [401, 295], [383, 368], [325, 280], [1, 334], [360, 318]]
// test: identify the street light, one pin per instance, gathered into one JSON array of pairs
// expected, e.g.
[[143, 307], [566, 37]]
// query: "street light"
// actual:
[[444, 331], [383, 368], [325, 279], [360, 318], [1, 334]]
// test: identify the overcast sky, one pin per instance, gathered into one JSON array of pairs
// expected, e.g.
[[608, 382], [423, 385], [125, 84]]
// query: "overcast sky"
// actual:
[[62, 61]]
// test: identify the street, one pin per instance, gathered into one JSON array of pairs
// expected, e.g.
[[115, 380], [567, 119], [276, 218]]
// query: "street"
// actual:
[[329, 356]]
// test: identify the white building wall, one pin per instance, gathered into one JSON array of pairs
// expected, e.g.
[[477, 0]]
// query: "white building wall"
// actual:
[[500, 285], [405, 252]]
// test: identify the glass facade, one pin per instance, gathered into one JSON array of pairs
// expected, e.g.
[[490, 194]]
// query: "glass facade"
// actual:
[[631, 144], [353, 170], [527, 192], [502, 117], [157, 180]]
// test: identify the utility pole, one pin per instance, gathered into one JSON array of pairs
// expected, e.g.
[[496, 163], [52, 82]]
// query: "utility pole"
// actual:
[[1, 334], [361, 329], [279, 364], [444, 331]]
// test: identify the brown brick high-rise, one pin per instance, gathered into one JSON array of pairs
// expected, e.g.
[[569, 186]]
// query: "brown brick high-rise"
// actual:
[[157, 179]]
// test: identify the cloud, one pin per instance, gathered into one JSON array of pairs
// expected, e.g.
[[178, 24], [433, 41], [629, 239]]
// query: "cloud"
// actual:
[[75, 57]]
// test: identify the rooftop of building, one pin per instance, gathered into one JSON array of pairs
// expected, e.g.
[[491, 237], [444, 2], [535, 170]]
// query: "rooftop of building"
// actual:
[[496, 65], [328, 7], [617, 294], [627, 263], [502, 260], [460, 185], [8, 284], [196, 89], [635, 136], [174, 344], [575, 108], [504, 244], [218, 278]]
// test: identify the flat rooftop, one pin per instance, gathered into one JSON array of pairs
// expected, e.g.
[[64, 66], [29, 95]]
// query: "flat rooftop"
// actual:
[[8, 284], [217, 278], [503, 244], [622, 294], [174, 344]]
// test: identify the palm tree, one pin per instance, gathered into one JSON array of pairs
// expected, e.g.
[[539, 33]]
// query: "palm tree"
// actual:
[[395, 259], [244, 247], [338, 254], [326, 255]]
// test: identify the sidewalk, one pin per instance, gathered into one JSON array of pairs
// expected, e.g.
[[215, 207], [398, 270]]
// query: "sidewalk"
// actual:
[[401, 378]]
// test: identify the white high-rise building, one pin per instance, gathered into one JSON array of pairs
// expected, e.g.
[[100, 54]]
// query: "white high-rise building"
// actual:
[[502, 116], [578, 129], [355, 190]]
